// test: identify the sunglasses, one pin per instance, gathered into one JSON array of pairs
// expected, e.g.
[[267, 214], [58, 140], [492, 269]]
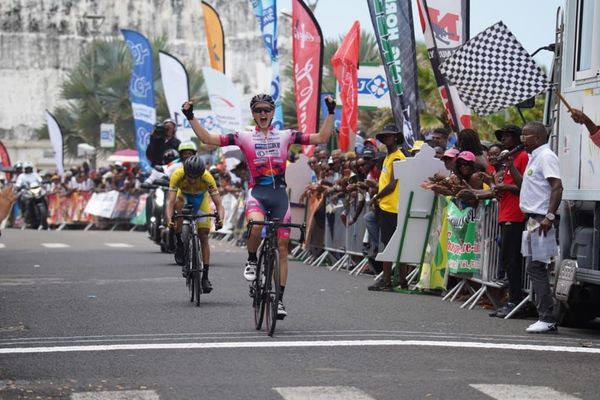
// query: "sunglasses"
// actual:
[[260, 110]]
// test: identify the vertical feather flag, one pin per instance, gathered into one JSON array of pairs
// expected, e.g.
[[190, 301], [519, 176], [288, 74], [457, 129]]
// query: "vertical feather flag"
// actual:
[[266, 14], [345, 65], [393, 24], [215, 38], [5, 160], [56, 138], [141, 91], [445, 25], [307, 41]]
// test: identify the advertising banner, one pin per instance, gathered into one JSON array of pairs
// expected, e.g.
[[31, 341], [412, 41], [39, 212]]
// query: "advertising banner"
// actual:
[[372, 87], [4, 160], [393, 25], [463, 244], [445, 25], [215, 38], [307, 42], [266, 14], [225, 101], [107, 135], [141, 91], [56, 138], [176, 89]]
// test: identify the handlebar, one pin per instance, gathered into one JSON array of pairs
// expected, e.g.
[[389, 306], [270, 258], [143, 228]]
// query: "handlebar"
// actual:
[[192, 217], [276, 224]]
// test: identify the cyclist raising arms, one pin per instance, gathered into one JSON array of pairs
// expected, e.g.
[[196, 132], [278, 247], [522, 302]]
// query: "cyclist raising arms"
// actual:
[[266, 150], [191, 182]]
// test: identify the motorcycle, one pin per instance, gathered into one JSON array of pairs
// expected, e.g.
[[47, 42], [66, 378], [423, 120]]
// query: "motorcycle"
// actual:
[[155, 210], [34, 201]]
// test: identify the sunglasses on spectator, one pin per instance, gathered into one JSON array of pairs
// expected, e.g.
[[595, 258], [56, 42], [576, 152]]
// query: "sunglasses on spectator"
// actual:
[[260, 110]]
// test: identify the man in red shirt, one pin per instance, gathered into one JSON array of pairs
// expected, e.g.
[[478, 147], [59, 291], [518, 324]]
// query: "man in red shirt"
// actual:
[[510, 217]]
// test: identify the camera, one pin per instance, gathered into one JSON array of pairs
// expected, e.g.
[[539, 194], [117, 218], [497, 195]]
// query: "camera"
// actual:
[[160, 130]]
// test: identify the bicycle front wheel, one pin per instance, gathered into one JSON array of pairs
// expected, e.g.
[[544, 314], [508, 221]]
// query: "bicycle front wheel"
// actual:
[[258, 293], [197, 268], [272, 295]]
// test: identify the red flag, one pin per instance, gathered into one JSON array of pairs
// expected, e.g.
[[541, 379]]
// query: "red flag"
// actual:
[[307, 41], [4, 160], [345, 65]]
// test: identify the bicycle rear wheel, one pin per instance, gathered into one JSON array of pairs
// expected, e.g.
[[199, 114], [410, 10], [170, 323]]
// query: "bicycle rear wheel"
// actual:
[[197, 268], [258, 298], [272, 294]]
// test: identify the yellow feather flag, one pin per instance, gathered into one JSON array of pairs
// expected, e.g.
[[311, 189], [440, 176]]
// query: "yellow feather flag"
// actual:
[[215, 38]]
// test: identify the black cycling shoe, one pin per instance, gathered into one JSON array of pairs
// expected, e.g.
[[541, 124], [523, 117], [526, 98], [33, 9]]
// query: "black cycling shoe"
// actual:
[[206, 286]]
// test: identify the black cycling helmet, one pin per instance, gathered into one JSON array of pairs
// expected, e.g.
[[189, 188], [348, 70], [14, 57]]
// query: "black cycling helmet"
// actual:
[[262, 98], [194, 166], [170, 155]]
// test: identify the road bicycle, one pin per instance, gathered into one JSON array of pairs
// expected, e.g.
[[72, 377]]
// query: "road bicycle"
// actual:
[[265, 289], [193, 266]]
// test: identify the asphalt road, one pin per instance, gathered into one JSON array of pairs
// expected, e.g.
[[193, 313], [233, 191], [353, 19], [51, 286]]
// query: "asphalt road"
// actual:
[[105, 315]]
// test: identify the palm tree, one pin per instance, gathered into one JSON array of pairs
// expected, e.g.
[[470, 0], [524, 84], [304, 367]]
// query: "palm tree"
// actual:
[[97, 91]]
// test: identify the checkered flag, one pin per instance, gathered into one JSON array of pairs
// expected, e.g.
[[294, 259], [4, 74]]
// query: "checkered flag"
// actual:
[[493, 71]]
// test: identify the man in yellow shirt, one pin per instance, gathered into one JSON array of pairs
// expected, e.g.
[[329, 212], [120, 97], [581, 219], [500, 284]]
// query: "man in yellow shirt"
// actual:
[[386, 201], [192, 182]]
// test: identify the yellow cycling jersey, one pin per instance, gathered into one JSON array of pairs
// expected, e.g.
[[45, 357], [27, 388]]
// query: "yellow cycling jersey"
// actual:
[[205, 183]]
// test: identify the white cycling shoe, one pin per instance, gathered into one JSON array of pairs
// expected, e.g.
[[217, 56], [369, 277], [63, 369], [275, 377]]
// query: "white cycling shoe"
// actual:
[[250, 271]]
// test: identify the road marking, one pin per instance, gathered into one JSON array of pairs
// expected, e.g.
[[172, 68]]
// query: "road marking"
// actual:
[[322, 393], [117, 395], [118, 245], [2, 245], [309, 343], [516, 392], [55, 245]]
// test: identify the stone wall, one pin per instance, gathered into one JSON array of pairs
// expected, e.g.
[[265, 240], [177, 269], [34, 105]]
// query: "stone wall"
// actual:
[[41, 40]]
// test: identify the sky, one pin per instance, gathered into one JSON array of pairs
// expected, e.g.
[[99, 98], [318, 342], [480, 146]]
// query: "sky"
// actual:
[[531, 21]]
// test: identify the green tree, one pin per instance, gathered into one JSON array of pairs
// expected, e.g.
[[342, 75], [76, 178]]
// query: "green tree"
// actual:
[[97, 91]]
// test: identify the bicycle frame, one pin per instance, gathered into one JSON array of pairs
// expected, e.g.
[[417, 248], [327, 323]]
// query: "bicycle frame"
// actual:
[[266, 287], [193, 254]]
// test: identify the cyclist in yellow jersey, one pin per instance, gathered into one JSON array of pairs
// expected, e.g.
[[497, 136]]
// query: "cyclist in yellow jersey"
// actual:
[[191, 183]]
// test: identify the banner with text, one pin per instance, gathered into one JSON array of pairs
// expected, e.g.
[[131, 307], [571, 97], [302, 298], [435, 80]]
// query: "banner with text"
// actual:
[[141, 91], [393, 24], [445, 25], [307, 41], [225, 101], [56, 138], [266, 14], [463, 244]]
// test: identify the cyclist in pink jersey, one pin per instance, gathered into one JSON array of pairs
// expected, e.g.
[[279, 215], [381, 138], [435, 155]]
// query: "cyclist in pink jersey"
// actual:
[[266, 150]]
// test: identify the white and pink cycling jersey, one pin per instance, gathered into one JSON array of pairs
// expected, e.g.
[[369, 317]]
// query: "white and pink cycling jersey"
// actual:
[[266, 155]]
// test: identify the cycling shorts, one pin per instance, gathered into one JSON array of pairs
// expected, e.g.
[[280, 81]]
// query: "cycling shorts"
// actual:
[[200, 205], [263, 198]]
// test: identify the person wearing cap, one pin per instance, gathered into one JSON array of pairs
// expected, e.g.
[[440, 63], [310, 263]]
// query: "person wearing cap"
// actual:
[[161, 141], [468, 140], [386, 202], [510, 217], [540, 196], [594, 130], [416, 147]]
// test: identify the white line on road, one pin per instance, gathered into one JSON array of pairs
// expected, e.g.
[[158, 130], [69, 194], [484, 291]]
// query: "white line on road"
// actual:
[[516, 392], [2, 245], [117, 395], [118, 245], [310, 343], [55, 245], [322, 393]]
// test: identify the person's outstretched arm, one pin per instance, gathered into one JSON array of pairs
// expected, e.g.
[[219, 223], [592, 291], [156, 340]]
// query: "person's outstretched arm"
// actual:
[[327, 127], [205, 136]]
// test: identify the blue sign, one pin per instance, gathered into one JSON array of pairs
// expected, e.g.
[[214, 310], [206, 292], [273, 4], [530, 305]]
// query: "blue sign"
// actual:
[[141, 91], [266, 14]]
